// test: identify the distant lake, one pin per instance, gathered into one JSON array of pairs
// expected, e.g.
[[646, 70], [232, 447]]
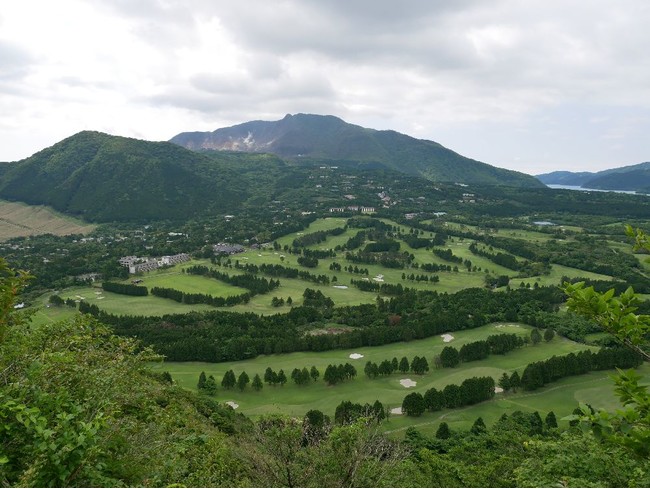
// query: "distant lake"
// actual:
[[575, 187]]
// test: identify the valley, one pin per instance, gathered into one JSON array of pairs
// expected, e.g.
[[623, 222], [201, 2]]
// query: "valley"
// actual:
[[426, 314]]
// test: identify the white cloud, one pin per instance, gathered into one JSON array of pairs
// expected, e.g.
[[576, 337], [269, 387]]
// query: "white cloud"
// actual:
[[523, 85]]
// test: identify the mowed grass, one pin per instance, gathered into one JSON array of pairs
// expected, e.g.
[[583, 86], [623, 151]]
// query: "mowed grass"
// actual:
[[562, 397], [130, 305], [450, 282], [295, 400], [20, 220]]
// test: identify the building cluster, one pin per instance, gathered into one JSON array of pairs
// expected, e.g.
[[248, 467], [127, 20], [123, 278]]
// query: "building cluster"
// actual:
[[137, 264], [353, 208], [227, 249]]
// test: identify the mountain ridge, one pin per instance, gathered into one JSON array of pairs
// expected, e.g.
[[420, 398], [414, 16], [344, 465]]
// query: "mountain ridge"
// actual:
[[629, 178], [302, 137]]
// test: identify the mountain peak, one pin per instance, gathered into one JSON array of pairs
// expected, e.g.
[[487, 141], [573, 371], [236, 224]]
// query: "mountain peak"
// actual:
[[306, 138]]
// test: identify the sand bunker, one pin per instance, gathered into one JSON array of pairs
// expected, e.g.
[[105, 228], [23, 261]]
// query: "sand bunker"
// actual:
[[101, 297], [232, 404], [446, 337], [498, 390], [507, 326], [356, 356], [408, 383], [340, 286], [397, 410]]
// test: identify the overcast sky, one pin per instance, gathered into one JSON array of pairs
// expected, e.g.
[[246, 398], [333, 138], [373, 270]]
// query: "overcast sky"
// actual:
[[535, 85]]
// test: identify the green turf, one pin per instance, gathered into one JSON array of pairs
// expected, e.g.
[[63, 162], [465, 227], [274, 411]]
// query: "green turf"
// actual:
[[450, 282], [594, 388], [296, 400]]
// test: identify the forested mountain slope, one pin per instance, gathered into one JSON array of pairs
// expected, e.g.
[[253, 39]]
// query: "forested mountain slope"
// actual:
[[307, 138]]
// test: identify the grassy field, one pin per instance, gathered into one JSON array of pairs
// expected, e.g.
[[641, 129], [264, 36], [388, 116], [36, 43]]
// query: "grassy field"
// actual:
[[296, 400], [594, 388], [19, 220], [450, 282]]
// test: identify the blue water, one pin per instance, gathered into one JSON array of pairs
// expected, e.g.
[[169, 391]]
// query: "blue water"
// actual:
[[575, 187]]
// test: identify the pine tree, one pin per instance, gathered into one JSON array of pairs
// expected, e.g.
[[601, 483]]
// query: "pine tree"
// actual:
[[304, 376], [270, 376], [243, 381], [549, 334], [404, 365], [550, 421], [201, 384], [413, 404], [394, 364], [229, 380], [504, 382], [282, 379], [443, 432], [210, 386], [314, 373], [257, 383], [535, 336], [449, 357], [478, 428], [515, 381]]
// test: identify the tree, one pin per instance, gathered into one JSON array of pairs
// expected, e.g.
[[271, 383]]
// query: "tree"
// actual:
[[404, 365], [443, 432], [210, 386], [420, 366], [413, 404], [270, 377], [434, 400], [314, 373], [55, 300], [549, 334], [257, 383], [504, 382], [229, 380], [535, 336], [515, 381], [478, 428], [282, 378], [550, 421], [371, 370], [201, 383], [243, 381], [449, 357]]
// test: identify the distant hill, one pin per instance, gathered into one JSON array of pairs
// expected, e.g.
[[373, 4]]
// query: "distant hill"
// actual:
[[109, 178], [314, 139], [633, 177]]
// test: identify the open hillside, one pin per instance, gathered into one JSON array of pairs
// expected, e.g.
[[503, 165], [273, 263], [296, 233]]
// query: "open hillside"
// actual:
[[18, 220], [312, 139]]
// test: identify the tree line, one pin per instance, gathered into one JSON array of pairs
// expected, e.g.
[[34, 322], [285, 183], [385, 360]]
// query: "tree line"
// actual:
[[282, 271], [195, 298], [316, 237], [217, 336], [254, 284], [471, 391], [125, 289]]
